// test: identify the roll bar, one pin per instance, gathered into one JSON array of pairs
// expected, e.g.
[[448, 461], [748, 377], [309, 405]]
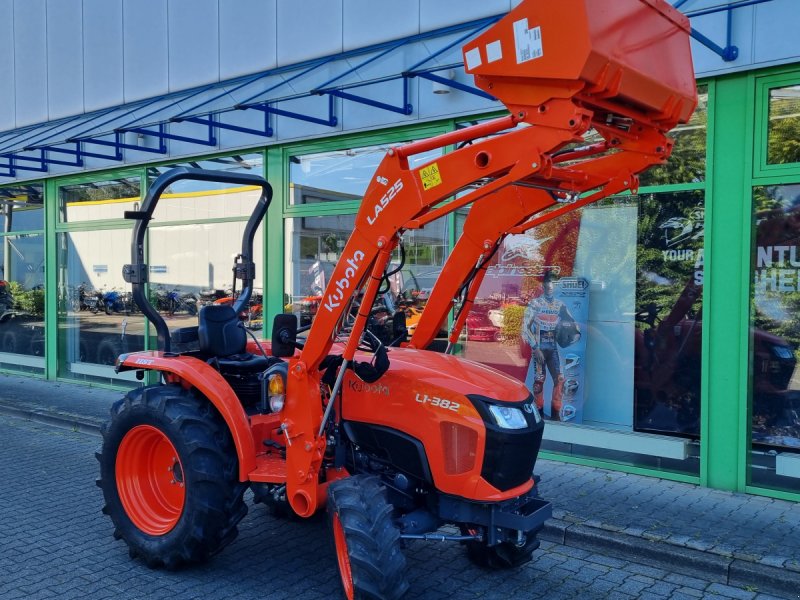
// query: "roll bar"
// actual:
[[244, 268]]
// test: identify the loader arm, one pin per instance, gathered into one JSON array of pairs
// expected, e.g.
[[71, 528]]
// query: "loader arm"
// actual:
[[518, 208], [560, 68]]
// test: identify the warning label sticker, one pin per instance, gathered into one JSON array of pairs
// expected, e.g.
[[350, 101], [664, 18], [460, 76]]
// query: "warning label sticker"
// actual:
[[430, 176], [528, 42]]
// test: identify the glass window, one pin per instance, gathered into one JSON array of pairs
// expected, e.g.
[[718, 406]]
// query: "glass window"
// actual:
[[339, 175], [783, 130], [97, 319], [687, 164], [99, 200], [188, 200], [22, 208], [598, 312], [192, 265], [22, 302], [314, 245], [775, 338]]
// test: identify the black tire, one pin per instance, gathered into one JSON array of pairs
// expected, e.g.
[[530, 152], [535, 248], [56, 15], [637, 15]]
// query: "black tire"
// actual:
[[9, 343], [367, 543], [37, 345], [504, 555], [213, 501], [83, 352]]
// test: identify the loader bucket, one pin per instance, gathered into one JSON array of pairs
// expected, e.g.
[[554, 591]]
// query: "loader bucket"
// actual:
[[627, 57]]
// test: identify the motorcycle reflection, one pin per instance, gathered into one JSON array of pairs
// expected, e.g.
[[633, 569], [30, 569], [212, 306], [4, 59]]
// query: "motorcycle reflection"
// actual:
[[172, 301], [118, 302]]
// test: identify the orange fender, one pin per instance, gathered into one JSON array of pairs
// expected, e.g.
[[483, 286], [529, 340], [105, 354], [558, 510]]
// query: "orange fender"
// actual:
[[192, 372]]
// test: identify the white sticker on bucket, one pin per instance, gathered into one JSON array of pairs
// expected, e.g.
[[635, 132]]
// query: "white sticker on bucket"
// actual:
[[473, 58], [494, 51], [528, 42]]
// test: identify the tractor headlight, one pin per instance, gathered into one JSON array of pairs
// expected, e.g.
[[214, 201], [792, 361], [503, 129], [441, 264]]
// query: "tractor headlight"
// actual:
[[277, 392], [508, 417]]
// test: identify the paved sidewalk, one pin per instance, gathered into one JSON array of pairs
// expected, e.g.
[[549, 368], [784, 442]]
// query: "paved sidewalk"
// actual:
[[735, 539]]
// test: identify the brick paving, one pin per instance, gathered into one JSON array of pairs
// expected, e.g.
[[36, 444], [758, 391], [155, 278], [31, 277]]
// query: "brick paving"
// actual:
[[613, 535], [55, 543]]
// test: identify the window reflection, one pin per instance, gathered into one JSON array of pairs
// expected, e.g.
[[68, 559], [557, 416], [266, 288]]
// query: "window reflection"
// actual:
[[99, 200], [775, 332], [598, 312], [21, 208], [22, 302], [339, 175], [783, 131], [191, 266], [687, 164], [97, 319], [189, 200], [314, 245]]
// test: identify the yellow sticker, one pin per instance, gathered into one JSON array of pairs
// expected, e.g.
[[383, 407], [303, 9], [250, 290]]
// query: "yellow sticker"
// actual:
[[430, 176]]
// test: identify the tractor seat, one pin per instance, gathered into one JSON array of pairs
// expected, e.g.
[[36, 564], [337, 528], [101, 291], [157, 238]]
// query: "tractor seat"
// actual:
[[222, 335]]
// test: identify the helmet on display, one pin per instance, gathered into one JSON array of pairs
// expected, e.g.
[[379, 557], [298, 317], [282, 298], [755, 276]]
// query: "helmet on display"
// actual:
[[570, 386], [567, 412], [567, 334]]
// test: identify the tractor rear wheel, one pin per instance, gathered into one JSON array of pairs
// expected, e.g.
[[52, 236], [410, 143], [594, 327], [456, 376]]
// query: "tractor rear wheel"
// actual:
[[169, 475], [366, 542]]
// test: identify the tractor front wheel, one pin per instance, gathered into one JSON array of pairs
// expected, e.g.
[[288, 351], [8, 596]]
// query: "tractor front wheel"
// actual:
[[169, 475], [366, 542]]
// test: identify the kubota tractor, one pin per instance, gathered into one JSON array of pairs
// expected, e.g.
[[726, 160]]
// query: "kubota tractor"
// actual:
[[399, 441]]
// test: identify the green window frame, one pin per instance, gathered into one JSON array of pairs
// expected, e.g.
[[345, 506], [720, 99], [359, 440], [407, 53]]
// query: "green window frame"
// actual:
[[47, 267], [764, 84], [761, 174]]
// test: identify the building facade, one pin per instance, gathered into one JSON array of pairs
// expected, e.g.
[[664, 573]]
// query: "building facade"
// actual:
[[686, 295]]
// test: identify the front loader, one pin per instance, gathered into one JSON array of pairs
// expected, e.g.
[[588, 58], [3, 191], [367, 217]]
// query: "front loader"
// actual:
[[398, 441]]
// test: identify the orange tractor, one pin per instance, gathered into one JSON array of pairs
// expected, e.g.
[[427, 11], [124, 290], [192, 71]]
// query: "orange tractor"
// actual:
[[395, 441]]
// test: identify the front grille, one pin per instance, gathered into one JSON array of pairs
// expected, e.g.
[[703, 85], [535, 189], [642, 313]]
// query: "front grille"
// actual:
[[510, 454]]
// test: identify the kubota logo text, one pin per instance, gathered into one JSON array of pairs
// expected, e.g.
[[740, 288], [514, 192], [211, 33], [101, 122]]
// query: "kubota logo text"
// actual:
[[333, 300], [384, 201]]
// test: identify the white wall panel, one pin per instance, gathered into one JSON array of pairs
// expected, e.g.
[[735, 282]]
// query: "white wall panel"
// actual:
[[103, 66], [714, 26], [776, 26], [64, 57], [145, 48], [30, 61], [308, 29], [435, 13], [248, 37], [7, 110], [367, 22], [193, 43]]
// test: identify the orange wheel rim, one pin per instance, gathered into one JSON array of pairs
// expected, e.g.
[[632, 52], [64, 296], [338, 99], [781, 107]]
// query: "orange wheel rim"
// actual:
[[150, 480], [344, 560]]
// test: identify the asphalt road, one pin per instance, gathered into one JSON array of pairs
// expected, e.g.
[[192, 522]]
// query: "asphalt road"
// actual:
[[55, 543]]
